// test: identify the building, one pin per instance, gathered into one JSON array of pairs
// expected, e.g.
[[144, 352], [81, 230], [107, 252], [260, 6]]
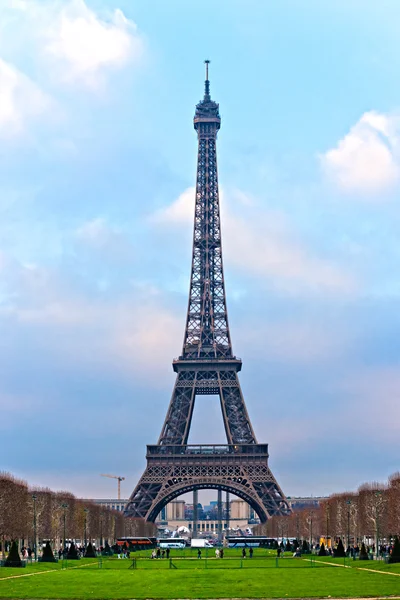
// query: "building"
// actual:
[[175, 510], [111, 503], [178, 514]]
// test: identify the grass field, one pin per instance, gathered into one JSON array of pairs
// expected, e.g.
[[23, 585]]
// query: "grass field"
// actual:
[[186, 577]]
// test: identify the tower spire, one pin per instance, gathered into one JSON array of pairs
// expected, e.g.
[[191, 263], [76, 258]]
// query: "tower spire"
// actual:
[[207, 96]]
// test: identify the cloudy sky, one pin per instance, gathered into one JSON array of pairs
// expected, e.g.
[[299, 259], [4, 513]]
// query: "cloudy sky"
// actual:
[[97, 167]]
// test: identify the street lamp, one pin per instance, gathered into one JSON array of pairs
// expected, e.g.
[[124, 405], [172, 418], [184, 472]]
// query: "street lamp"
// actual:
[[327, 525], [85, 510], [310, 521], [101, 531], [348, 502], [34, 498], [378, 493], [64, 507]]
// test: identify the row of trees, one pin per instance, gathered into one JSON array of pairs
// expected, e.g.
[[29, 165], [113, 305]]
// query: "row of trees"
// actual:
[[26, 511], [372, 512]]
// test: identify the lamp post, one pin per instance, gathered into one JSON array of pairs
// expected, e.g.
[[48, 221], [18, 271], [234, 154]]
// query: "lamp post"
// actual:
[[85, 510], [64, 507], [34, 498], [378, 494], [327, 525], [348, 502], [101, 531], [310, 522]]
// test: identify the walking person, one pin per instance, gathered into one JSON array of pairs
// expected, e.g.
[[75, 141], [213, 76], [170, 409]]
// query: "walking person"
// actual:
[[251, 552], [199, 553]]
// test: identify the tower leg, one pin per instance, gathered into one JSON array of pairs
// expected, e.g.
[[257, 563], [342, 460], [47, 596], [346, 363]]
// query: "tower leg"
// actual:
[[195, 512]]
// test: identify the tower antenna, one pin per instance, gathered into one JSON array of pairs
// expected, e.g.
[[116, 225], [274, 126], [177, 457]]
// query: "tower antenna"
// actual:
[[207, 62]]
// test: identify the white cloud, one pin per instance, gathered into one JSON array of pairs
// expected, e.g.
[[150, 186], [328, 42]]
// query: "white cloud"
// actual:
[[263, 244], [127, 334], [181, 211], [306, 341], [87, 45], [378, 388], [21, 101], [68, 40], [367, 159], [98, 234]]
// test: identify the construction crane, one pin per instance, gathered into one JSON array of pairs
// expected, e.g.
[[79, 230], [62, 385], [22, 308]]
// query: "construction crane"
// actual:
[[119, 482]]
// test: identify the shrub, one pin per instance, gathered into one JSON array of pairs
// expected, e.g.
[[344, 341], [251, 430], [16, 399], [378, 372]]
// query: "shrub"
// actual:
[[90, 553], [305, 547], [13, 558], [47, 554], [107, 551], [72, 552], [322, 551], [288, 546], [339, 551], [395, 554], [363, 552]]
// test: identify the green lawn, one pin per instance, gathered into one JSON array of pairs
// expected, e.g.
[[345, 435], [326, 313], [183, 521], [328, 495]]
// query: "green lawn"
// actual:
[[191, 578]]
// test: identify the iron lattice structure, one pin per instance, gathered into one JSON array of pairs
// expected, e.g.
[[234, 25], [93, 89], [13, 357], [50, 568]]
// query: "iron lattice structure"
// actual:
[[207, 366]]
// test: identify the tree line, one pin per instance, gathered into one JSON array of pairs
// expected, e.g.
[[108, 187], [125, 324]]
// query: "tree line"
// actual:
[[53, 516], [372, 512]]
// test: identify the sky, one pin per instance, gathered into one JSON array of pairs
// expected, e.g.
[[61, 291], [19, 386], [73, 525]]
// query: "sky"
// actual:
[[97, 168]]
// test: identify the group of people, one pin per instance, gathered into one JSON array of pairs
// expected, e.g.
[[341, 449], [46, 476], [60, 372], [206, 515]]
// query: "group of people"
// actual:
[[160, 553], [26, 552]]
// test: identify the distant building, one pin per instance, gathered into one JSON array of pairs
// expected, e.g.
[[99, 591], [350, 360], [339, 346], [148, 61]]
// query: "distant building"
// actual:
[[177, 513], [111, 503], [299, 502]]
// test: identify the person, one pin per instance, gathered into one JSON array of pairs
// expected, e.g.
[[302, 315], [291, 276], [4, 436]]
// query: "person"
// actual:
[[251, 552], [158, 553], [216, 553], [278, 551], [153, 554], [163, 554], [59, 554], [244, 553], [168, 551], [199, 553], [221, 553]]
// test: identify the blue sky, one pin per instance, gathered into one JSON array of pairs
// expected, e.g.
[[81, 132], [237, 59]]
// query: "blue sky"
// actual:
[[98, 159]]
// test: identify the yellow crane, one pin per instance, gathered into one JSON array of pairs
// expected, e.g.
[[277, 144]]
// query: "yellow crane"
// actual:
[[119, 482]]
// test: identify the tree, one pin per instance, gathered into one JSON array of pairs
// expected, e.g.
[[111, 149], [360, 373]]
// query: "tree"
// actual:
[[107, 550], [395, 554], [47, 554], [90, 553], [363, 552], [72, 552], [322, 551], [13, 558], [339, 551]]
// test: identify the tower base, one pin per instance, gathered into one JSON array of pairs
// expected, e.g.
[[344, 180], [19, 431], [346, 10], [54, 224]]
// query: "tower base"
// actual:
[[241, 470]]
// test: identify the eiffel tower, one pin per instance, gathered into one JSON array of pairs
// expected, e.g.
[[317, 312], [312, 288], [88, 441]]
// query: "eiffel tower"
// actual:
[[207, 365]]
